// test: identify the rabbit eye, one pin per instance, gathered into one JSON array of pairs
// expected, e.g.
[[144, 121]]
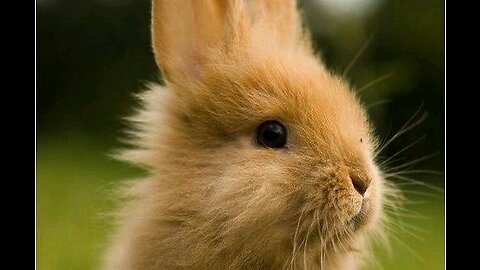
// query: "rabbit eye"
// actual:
[[271, 134]]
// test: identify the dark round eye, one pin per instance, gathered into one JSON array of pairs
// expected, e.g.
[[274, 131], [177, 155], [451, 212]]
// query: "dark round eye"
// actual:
[[271, 134]]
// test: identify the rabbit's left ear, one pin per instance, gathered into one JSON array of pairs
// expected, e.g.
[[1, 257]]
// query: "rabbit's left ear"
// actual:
[[183, 32]]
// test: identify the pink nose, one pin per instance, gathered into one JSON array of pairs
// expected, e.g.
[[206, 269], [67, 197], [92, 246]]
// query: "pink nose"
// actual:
[[360, 183]]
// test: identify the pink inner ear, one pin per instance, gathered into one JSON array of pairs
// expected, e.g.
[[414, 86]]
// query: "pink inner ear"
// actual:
[[195, 56], [194, 45], [191, 62]]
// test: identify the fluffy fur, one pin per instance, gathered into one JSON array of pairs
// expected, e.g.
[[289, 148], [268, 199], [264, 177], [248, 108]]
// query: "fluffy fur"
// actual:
[[215, 199]]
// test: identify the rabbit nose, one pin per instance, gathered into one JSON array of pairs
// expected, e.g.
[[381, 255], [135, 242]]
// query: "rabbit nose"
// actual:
[[360, 183]]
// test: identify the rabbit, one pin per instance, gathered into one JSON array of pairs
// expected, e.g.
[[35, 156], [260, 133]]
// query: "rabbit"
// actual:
[[258, 157]]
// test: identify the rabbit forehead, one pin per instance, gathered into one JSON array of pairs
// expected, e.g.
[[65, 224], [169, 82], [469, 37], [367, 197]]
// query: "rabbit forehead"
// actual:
[[317, 106]]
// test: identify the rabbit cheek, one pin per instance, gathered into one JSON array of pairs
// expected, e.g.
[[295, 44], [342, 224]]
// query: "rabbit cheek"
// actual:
[[252, 189]]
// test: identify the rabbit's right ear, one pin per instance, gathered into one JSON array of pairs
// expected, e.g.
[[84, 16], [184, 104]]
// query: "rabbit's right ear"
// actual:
[[183, 31]]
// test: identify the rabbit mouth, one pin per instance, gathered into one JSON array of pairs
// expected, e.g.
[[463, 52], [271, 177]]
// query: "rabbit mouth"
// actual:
[[361, 218]]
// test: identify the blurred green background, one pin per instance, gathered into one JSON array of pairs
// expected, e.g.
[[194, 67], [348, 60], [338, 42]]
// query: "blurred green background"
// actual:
[[93, 55]]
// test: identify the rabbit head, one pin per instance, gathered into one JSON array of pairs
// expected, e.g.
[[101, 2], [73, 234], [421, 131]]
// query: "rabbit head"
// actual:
[[259, 155]]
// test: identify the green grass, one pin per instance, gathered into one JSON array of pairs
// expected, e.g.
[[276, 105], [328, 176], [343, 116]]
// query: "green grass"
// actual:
[[419, 240], [74, 176]]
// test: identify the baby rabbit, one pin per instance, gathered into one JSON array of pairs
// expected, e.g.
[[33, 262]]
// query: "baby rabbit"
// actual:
[[259, 157]]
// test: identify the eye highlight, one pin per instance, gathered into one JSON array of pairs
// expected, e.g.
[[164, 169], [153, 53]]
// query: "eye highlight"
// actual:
[[271, 134]]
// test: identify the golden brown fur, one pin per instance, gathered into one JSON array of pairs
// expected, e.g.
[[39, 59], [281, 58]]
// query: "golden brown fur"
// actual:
[[215, 199]]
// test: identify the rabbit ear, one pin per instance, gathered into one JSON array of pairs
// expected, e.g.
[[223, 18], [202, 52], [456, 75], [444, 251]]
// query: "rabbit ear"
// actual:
[[186, 34], [279, 18], [182, 33]]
